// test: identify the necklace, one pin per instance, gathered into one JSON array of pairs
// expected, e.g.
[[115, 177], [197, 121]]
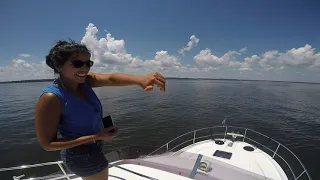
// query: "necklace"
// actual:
[[62, 84]]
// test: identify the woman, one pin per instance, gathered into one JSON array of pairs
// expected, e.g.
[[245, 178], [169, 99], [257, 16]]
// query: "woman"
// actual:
[[70, 106]]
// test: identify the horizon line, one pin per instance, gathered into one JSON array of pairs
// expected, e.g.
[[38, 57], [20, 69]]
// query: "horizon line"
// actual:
[[190, 78]]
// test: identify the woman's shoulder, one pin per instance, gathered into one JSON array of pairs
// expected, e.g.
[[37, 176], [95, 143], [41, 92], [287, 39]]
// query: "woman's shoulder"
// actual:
[[49, 98], [52, 91], [49, 104]]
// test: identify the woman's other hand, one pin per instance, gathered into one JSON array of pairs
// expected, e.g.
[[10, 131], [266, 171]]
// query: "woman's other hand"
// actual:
[[105, 135], [112, 131]]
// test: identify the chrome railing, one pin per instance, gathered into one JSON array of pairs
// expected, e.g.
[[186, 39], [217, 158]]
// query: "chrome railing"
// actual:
[[244, 136], [213, 134], [126, 152], [52, 177]]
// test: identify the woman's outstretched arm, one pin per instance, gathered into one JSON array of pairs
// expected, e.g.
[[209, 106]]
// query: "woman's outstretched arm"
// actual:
[[118, 79]]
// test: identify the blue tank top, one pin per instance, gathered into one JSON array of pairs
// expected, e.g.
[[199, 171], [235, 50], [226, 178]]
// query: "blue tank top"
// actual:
[[79, 117]]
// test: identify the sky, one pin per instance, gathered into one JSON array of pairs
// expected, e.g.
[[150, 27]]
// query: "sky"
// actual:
[[260, 40]]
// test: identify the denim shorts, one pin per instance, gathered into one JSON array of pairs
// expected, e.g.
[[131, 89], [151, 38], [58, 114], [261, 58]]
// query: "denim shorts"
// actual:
[[85, 160]]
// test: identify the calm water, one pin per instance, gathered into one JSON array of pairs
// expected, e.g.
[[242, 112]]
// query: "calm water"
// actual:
[[288, 112]]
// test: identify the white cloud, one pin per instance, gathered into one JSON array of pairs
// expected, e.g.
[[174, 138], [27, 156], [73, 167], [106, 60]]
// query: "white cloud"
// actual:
[[210, 68], [269, 60], [245, 67], [105, 49], [110, 55], [25, 55], [243, 50], [193, 42], [207, 59], [120, 58], [2, 69], [112, 52], [303, 57], [166, 60], [21, 64], [316, 63], [23, 70], [162, 61], [248, 62], [194, 69]]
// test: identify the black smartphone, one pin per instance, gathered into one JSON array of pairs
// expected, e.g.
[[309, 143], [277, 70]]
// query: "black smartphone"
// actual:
[[108, 122]]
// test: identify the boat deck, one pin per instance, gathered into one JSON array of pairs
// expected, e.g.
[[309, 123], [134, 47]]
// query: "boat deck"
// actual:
[[225, 159], [255, 163], [232, 162]]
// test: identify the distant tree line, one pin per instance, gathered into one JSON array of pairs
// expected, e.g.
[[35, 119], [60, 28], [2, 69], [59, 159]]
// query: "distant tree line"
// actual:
[[28, 81]]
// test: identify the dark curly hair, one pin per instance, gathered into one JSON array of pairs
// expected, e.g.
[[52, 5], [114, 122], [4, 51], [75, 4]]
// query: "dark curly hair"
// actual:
[[62, 51]]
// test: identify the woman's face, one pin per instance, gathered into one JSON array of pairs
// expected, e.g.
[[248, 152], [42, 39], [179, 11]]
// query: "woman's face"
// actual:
[[74, 74]]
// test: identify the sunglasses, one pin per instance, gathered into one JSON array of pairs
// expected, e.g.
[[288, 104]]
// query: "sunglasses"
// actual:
[[79, 64]]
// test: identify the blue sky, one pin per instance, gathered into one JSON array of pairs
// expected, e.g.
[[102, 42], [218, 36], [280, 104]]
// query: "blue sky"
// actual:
[[146, 27]]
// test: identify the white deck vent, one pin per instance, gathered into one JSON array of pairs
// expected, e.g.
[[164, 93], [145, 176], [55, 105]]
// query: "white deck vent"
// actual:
[[205, 166]]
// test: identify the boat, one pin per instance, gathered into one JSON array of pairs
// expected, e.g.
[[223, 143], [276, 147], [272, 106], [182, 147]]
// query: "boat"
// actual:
[[215, 153]]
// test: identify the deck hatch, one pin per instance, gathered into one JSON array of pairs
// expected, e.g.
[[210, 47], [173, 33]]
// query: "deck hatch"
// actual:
[[222, 154]]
